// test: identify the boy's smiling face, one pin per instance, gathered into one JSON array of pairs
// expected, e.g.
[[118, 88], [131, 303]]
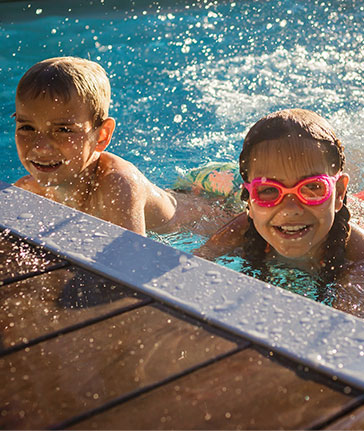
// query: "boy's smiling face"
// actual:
[[293, 229], [56, 140]]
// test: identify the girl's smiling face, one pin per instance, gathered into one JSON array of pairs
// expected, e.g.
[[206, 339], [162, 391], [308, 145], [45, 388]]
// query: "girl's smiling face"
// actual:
[[295, 230]]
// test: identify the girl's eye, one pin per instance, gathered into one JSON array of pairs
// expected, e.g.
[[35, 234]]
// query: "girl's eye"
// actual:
[[267, 192], [314, 189], [314, 186]]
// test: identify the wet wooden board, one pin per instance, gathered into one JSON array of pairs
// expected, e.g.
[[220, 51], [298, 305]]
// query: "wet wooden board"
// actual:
[[18, 259], [352, 421], [52, 381], [248, 390], [53, 302]]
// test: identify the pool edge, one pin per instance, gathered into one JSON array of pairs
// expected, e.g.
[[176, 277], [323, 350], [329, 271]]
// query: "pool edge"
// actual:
[[313, 334]]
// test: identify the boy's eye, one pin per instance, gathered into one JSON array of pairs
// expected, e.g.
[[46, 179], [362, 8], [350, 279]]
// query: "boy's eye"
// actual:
[[26, 128], [64, 129]]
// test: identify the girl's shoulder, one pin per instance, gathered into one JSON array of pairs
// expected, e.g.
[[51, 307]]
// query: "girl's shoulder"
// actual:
[[355, 247]]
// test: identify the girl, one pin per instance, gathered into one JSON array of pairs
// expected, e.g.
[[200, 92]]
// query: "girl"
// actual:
[[295, 188]]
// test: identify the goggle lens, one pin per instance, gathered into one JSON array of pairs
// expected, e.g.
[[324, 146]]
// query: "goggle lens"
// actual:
[[314, 190], [266, 193]]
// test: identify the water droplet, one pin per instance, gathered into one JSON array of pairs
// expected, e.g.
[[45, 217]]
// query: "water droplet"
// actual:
[[99, 234], [25, 216]]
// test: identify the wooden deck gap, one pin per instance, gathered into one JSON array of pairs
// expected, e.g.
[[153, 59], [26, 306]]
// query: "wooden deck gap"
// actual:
[[357, 402], [239, 340], [75, 327], [21, 277], [138, 392]]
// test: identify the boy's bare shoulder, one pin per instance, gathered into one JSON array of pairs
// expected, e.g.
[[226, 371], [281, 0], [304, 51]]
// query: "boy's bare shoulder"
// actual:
[[112, 164], [28, 183], [117, 177], [118, 196], [123, 187]]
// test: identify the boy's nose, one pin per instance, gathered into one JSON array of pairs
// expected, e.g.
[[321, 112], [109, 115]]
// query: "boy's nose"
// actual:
[[42, 141]]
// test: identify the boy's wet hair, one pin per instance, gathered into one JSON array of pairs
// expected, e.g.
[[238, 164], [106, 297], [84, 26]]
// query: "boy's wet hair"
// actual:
[[295, 125], [62, 77]]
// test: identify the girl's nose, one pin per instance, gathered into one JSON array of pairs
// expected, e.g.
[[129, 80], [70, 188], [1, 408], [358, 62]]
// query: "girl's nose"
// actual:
[[292, 205]]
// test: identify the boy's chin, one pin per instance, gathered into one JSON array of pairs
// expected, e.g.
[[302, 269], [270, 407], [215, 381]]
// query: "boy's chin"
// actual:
[[47, 182]]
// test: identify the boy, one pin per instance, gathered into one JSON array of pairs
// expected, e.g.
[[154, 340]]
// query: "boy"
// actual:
[[62, 130]]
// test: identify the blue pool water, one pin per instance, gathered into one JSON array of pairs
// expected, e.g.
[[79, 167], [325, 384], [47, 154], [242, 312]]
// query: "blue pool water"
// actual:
[[190, 78]]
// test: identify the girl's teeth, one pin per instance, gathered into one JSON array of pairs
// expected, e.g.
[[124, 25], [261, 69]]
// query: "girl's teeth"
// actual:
[[292, 229]]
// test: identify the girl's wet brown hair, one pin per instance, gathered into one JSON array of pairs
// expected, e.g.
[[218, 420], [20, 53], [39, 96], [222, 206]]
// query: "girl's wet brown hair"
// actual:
[[63, 77], [295, 125]]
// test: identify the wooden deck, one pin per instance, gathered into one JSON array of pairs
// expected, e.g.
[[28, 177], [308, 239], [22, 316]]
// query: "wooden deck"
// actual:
[[79, 351]]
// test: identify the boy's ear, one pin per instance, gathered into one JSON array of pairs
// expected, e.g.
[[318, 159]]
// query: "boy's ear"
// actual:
[[341, 187], [105, 132]]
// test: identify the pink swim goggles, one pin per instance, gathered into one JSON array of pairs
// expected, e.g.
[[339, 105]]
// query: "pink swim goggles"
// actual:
[[310, 191]]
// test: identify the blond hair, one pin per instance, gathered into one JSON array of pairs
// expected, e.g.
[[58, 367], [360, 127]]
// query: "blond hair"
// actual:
[[62, 77]]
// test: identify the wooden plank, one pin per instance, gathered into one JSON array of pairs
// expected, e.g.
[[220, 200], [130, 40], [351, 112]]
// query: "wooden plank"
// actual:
[[18, 258], [247, 390], [39, 306], [352, 421], [73, 373]]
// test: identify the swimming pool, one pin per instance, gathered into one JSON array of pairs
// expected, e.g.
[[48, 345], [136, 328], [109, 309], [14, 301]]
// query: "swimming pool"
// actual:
[[190, 78]]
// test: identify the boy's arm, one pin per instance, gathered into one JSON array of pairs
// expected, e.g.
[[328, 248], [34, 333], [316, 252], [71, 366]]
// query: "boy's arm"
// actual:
[[226, 239], [123, 203]]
